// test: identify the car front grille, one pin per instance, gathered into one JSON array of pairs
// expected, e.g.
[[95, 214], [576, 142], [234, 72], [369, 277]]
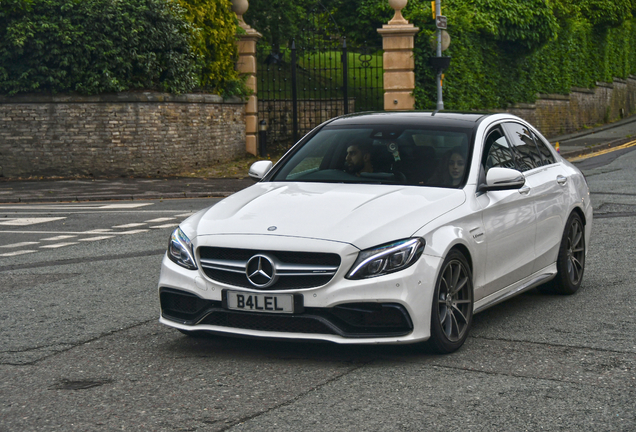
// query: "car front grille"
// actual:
[[293, 270], [350, 320]]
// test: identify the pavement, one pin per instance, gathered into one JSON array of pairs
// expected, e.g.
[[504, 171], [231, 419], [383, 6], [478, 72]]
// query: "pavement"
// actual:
[[106, 189]]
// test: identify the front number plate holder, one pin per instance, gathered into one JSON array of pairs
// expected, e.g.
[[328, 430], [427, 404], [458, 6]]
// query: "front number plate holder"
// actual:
[[262, 302]]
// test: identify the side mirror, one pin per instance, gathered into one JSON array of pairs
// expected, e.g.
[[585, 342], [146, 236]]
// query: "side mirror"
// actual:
[[259, 169], [504, 179]]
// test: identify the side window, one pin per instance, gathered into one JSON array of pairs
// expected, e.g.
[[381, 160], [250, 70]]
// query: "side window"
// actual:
[[548, 158], [497, 152], [528, 156]]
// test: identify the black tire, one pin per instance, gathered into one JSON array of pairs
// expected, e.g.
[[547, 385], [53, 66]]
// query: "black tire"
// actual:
[[452, 315], [571, 259]]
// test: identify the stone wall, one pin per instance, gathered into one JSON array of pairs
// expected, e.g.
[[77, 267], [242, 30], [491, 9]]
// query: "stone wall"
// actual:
[[556, 115], [126, 134]]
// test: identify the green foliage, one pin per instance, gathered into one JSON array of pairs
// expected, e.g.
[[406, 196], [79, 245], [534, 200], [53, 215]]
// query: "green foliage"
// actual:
[[94, 46], [605, 13], [497, 61], [98, 46], [281, 20], [369, 15], [214, 43], [528, 23], [503, 51], [278, 20]]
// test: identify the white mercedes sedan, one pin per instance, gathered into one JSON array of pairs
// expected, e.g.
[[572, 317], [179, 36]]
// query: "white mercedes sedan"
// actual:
[[384, 228]]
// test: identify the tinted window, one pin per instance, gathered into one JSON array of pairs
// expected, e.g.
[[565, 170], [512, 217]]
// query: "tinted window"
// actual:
[[382, 154], [526, 151], [497, 151], [548, 158]]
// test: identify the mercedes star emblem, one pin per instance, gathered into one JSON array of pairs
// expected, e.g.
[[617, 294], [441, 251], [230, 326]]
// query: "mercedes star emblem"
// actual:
[[261, 271]]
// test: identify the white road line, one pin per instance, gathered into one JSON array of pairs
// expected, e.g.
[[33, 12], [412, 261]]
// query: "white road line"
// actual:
[[163, 219], [133, 231], [57, 245], [22, 252], [185, 214], [15, 245], [124, 206], [131, 225], [164, 226], [29, 221], [95, 238], [73, 232], [58, 238], [99, 231]]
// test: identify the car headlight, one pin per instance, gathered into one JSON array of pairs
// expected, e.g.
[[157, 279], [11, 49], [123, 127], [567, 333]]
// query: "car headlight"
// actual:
[[180, 250], [386, 259]]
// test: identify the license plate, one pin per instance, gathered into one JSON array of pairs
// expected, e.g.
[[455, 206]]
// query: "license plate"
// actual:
[[251, 302]]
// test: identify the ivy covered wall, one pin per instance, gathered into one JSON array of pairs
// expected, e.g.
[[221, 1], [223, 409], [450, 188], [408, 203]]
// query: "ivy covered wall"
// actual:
[[508, 51]]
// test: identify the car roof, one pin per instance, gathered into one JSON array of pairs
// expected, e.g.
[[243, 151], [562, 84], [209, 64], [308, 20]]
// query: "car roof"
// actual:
[[409, 118]]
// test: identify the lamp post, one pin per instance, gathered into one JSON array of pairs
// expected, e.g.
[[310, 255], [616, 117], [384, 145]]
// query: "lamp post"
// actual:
[[441, 43], [438, 12]]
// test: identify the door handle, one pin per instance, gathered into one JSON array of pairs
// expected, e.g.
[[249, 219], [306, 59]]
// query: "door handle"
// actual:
[[562, 180], [525, 190]]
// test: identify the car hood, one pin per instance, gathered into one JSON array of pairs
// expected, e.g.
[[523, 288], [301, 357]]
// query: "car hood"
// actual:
[[361, 215]]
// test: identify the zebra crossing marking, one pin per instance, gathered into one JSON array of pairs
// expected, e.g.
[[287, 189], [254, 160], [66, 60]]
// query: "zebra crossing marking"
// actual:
[[57, 245], [16, 253], [15, 245], [29, 221], [58, 238]]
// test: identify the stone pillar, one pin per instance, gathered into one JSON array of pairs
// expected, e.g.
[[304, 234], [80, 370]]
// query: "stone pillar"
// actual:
[[246, 65], [399, 77]]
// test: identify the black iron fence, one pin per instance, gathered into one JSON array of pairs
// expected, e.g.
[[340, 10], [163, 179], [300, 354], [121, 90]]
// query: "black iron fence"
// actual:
[[306, 82]]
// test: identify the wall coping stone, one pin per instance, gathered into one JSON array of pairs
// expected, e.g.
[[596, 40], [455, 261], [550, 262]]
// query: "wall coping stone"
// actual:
[[582, 90], [521, 105], [604, 84], [553, 96], [124, 97]]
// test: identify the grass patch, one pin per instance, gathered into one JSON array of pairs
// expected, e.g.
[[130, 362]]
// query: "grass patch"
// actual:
[[237, 168], [319, 75]]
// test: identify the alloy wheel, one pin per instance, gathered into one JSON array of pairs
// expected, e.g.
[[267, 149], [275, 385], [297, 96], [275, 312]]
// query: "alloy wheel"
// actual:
[[454, 301], [575, 252]]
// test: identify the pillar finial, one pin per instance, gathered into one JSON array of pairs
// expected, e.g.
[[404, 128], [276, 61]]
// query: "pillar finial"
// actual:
[[240, 7], [397, 6]]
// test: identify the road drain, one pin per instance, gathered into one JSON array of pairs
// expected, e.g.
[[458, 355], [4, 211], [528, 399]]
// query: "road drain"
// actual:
[[66, 384]]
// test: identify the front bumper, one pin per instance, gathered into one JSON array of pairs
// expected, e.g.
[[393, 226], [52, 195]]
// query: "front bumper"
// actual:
[[394, 308], [348, 320]]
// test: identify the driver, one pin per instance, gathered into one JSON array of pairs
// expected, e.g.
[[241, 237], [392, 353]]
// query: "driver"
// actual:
[[358, 159]]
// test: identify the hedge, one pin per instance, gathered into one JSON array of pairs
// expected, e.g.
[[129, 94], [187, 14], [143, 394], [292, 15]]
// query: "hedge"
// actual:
[[99, 46]]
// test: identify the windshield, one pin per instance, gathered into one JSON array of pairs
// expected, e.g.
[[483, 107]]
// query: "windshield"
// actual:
[[384, 154]]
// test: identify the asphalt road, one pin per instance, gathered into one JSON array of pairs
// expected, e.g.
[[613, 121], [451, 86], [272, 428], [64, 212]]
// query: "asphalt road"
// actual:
[[81, 348]]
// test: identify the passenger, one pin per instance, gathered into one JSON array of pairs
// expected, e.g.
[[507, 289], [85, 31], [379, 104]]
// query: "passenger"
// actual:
[[358, 159], [452, 169]]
